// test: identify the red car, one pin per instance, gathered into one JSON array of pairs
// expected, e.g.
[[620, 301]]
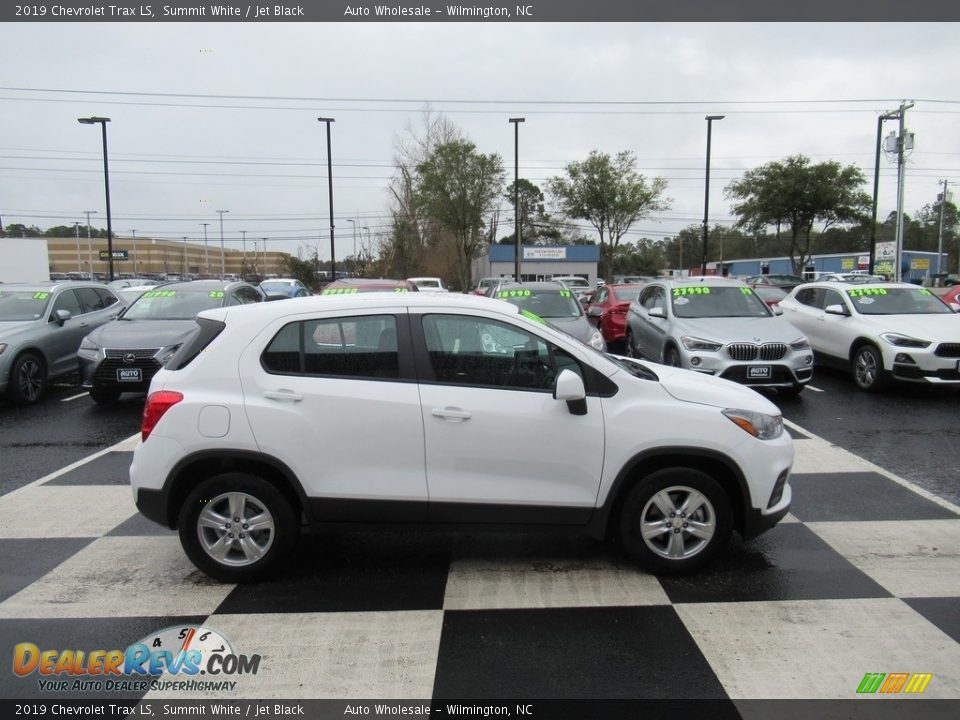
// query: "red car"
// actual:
[[769, 294], [607, 310], [953, 296]]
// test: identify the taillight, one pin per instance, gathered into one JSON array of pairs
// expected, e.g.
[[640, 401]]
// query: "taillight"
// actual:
[[157, 404], [621, 309]]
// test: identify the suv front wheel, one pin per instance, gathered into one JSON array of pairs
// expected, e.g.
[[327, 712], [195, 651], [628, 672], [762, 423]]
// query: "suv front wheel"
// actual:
[[236, 526], [675, 521]]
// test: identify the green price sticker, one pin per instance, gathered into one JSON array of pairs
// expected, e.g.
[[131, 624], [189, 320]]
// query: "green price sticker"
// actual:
[[515, 293], [565, 293], [866, 292], [216, 293], [339, 291], [746, 291], [41, 295], [924, 291], [401, 290], [160, 293], [533, 316], [699, 290]]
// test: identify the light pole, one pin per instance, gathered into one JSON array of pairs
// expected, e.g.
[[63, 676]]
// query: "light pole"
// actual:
[[354, 223], [76, 231], [333, 258], [183, 270], [243, 264], [706, 194], [102, 121], [223, 257], [264, 258], [206, 248], [135, 259], [516, 191], [876, 187], [88, 213]]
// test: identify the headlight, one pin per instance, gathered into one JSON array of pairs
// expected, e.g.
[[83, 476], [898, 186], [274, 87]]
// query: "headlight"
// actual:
[[760, 425], [692, 343], [904, 341], [596, 341], [89, 349], [163, 357], [800, 345]]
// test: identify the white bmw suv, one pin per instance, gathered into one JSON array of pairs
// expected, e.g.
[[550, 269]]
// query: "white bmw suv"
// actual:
[[369, 410], [880, 331]]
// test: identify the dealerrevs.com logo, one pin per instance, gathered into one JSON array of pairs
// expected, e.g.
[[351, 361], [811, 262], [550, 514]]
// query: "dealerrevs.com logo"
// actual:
[[893, 683], [171, 659]]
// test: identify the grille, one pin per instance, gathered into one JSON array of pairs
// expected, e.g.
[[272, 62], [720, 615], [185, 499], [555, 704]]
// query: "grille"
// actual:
[[745, 352], [107, 372], [950, 350], [139, 354]]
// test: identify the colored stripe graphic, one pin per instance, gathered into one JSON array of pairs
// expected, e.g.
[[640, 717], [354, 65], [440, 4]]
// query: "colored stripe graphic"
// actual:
[[870, 682], [918, 682], [894, 682]]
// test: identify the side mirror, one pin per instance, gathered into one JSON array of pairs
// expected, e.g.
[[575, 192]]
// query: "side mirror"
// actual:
[[594, 312], [836, 310], [656, 312], [777, 310], [955, 307], [61, 316], [569, 388]]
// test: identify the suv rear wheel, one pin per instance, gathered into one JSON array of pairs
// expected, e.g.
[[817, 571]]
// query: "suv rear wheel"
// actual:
[[236, 526], [675, 521]]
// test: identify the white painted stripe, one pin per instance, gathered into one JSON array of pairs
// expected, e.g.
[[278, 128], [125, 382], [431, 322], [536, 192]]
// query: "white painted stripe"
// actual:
[[879, 470], [815, 389], [75, 397]]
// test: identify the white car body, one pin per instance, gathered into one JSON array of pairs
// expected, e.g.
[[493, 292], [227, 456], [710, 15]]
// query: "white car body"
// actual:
[[914, 346], [368, 450], [428, 284]]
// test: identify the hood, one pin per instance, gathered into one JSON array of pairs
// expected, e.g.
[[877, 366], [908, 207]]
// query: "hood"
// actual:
[[10, 330], [748, 330], [936, 328], [134, 334], [577, 327], [694, 387]]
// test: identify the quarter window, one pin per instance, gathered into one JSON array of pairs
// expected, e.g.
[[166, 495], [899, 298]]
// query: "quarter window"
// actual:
[[357, 347]]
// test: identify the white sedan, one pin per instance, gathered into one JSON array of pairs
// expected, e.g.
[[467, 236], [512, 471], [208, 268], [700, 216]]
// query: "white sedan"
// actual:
[[880, 331]]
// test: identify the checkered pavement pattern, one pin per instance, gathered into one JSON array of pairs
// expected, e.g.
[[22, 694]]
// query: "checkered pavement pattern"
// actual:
[[862, 576]]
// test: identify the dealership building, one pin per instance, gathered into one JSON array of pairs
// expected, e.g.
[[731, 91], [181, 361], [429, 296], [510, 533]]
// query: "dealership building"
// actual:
[[540, 262]]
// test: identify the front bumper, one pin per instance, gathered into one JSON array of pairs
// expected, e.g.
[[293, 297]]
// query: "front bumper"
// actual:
[[925, 365], [795, 368], [104, 372]]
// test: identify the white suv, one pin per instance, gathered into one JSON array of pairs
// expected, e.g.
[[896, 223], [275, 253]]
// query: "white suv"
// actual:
[[410, 409]]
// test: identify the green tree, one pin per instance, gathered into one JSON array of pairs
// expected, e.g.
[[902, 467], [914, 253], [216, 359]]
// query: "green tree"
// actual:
[[609, 193], [535, 225], [457, 187], [796, 194], [20, 230]]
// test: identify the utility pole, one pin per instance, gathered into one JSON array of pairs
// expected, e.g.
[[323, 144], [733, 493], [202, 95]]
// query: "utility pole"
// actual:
[[706, 195], [206, 248], [943, 203], [183, 270], [243, 265], [901, 185], [88, 213], [876, 188], [516, 192], [264, 258], [223, 255], [76, 230], [135, 261], [333, 252]]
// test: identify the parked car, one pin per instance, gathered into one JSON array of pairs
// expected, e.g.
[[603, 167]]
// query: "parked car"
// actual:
[[769, 294], [263, 419], [428, 284], [555, 303], [284, 287], [784, 282], [132, 292], [952, 297], [484, 285], [719, 327], [879, 331], [132, 282], [123, 356], [41, 327], [607, 309], [350, 286], [851, 277], [578, 285]]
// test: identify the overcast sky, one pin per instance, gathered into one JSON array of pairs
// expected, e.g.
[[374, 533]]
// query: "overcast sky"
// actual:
[[176, 159]]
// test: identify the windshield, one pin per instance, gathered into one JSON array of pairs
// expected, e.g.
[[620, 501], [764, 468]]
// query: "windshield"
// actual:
[[897, 301], [702, 301], [19, 305], [573, 282], [545, 303], [627, 294], [282, 286], [173, 304]]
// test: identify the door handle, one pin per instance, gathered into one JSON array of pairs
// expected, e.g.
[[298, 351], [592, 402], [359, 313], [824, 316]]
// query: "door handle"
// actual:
[[451, 414], [287, 395]]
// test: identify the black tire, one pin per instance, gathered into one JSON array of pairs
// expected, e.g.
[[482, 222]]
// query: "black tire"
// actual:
[[28, 379], [629, 350], [791, 391], [213, 495], [713, 513], [671, 356], [867, 369], [103, 396]]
